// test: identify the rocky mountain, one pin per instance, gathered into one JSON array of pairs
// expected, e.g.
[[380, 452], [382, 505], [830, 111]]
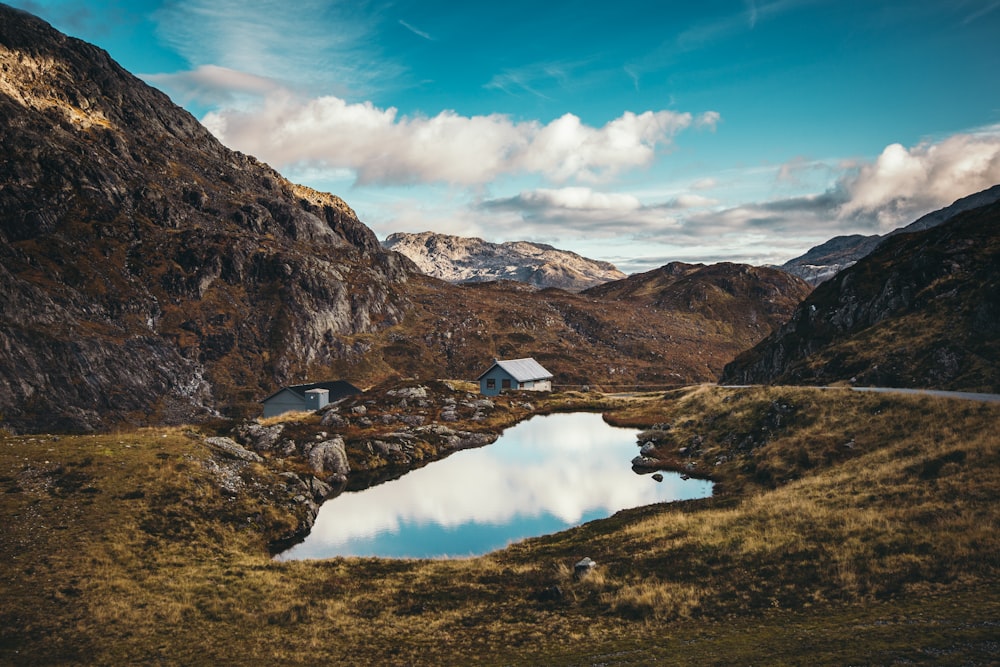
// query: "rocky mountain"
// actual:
[[460, 260], [922, 310], [147, 272], [824, 261]]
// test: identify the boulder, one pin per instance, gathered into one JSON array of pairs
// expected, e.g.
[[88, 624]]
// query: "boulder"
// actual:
[[583, 567], [258, 437], [408, 392], [328, 459], [232, 449]]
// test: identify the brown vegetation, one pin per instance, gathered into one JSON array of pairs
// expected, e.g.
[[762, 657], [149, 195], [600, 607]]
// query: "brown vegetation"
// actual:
[[857, 527]]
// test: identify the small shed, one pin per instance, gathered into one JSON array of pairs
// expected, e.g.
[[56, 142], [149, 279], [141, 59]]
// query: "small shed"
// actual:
[[303, 397], [514, 374]]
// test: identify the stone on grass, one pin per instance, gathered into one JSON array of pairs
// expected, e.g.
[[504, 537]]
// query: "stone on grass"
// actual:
[[583, 567]]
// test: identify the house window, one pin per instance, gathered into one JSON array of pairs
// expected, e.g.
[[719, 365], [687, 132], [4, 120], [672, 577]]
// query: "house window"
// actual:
[[505, 384], [491, 383]]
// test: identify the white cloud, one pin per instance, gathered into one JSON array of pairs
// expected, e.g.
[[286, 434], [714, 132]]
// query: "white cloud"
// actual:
[[865, 197], [267, 39], [662, 225], [903, 184], [214, 85], [416, 31], [709, 120], [579, 198], [693, 201], [385, 148], [577, 212]]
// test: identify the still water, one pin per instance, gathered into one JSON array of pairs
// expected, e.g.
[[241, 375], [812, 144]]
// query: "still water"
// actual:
[[542, 476]]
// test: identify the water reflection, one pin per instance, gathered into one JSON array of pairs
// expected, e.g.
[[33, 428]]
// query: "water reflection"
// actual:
[[541, 476]]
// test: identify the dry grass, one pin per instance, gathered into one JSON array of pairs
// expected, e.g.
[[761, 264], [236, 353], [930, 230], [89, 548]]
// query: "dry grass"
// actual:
[[122, 549], [288, 417]]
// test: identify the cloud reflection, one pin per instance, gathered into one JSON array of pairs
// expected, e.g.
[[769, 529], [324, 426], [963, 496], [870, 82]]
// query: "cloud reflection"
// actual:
[[547, 474]]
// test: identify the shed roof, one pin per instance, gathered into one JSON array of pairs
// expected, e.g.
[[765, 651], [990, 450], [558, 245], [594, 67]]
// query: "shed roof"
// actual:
[[337, 388], [522, 370]]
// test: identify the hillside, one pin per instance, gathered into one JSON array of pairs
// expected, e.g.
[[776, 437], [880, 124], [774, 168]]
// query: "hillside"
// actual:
[[824, 261], [845, 528], [922, 310], [458, 260], [756, 297], [676, 332], [148, 274]]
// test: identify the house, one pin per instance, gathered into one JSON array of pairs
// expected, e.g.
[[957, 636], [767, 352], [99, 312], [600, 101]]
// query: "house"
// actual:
[[300, 397], [525, 374]]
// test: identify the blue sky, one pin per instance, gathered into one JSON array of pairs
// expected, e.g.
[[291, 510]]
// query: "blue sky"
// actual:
[[634, 132]]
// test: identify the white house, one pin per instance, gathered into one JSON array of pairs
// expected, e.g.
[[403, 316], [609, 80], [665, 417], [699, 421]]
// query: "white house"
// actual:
[[514, 374]]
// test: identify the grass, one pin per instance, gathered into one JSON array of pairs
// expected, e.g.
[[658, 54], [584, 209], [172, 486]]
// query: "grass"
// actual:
[[848, 528]]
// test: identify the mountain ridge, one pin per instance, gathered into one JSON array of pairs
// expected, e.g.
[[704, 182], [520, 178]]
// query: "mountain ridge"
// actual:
[[922, 310], [458, 259], [822, 262]]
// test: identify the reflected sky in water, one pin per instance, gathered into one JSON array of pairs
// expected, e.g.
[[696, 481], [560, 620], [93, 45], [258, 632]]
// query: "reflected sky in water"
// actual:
[[541, 476]]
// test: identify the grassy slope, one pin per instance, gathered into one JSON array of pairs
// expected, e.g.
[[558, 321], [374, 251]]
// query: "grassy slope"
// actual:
[[850, 528]]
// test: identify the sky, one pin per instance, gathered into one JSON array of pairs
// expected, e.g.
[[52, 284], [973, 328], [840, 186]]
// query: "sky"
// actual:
[[633, 132]]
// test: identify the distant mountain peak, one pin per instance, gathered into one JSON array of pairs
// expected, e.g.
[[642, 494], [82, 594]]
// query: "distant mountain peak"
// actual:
[[822, 262], [458, 259]]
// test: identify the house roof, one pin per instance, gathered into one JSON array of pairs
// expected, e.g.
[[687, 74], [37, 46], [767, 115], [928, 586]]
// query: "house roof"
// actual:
[[337, 388], [522, 370]]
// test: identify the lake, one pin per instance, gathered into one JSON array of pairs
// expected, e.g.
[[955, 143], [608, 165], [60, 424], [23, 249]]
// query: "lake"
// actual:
[[542, 476]]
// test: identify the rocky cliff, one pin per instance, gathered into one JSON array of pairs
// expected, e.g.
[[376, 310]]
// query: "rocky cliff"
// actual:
[[146, 271], [824, 261], [458, 260], [922, 310]]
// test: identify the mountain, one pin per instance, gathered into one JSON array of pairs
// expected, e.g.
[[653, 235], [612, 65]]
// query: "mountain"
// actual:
[[922, 310], [147, 272], [824, 261], [639, 332], [752, 296], [459, 260]]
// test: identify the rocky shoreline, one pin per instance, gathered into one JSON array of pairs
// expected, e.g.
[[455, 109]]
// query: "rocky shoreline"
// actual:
[[358, 442]]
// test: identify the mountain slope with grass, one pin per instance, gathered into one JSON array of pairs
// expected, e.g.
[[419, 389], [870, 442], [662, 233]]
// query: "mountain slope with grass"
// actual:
[[148, 273], [634, 333], [923, 310], [846, 528]]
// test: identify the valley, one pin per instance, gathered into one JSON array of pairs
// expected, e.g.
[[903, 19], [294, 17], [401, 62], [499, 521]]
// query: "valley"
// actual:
[[156, 285]]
